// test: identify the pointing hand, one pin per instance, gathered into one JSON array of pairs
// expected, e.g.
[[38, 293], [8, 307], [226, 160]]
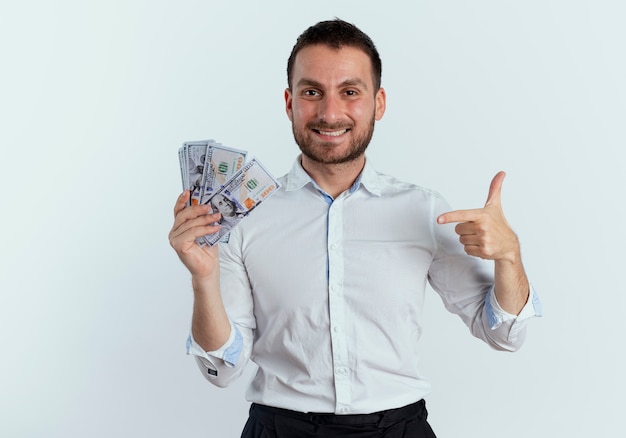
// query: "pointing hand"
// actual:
[[485, 232]]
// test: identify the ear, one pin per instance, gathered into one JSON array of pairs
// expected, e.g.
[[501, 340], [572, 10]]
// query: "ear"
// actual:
[[288, 103], [381, 103]]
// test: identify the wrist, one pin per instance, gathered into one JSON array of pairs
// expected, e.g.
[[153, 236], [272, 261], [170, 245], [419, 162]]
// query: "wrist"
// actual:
[[513, 256], [205, 283]]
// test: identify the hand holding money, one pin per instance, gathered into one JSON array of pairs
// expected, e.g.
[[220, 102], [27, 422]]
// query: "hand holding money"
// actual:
[[215, 175], [210, 324], [190, 224]]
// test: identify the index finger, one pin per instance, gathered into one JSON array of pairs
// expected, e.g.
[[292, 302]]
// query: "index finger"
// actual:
[[181, 202], [459, 216]]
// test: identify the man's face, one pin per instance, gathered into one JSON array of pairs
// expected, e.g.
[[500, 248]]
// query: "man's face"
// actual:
[[333, 106]]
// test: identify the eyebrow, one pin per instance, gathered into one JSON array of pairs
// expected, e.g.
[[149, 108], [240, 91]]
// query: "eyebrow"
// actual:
[[306, 82]]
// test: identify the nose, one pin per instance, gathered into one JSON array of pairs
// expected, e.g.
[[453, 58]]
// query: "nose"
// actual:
[[330, 109]]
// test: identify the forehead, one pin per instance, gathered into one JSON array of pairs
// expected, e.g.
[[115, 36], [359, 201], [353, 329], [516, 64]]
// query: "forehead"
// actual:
[[329, 65]]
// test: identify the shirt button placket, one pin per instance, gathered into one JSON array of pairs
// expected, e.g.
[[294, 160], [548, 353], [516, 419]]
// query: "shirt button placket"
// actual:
[[337, 305]]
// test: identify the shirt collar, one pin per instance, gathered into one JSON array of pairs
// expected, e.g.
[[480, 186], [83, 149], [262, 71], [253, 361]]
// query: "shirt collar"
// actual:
[[369, 178]]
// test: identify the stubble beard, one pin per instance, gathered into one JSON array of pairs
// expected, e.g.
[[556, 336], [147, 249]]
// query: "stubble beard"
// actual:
[[317, 152]]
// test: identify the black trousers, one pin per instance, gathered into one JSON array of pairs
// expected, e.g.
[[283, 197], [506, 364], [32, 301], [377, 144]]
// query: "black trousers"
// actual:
[[407, 422]]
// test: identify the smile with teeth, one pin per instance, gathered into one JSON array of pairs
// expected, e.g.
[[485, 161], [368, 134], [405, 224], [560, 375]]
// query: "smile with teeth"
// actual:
[[331, 133]]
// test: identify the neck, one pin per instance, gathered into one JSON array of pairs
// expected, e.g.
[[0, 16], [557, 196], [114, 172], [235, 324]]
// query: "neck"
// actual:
[[334, 179]]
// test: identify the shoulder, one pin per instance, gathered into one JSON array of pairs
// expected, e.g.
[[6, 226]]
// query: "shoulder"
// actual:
[[390, 184]]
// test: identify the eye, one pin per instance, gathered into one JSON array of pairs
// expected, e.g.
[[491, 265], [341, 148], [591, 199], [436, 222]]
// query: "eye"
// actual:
[[311, 93]]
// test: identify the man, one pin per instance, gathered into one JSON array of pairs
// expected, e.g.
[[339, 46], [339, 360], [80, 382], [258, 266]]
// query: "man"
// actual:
[[324, 290]]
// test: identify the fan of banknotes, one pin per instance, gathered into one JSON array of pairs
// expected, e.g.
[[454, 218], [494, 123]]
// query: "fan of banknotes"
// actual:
[[220, 176]]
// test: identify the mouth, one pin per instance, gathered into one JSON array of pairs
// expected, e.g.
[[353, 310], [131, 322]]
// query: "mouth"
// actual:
[[336, 133]]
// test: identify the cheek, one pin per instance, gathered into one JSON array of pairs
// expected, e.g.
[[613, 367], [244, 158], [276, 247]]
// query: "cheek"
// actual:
[[303, 111], [299, 118], [361, 112]]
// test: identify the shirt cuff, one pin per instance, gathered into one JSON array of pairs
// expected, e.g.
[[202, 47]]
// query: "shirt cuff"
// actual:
[[496, 315], [229, 352]]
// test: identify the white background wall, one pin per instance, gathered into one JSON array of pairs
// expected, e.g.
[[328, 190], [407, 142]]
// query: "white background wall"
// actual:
[[96, 98]]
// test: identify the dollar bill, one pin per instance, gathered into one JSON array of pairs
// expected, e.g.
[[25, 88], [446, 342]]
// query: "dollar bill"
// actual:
[[194, 156], [239, 196], [205, 166], [221, 164], [183, 167]]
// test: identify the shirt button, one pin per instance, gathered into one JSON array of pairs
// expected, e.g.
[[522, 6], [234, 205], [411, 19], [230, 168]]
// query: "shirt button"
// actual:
[[337, 329]]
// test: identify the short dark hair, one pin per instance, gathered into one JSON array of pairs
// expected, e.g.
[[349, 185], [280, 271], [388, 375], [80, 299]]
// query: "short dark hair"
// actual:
[[337, 34]]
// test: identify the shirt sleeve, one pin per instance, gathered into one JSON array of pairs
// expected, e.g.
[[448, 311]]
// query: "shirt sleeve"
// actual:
[[465, 284], [496, 316], [228, 353]]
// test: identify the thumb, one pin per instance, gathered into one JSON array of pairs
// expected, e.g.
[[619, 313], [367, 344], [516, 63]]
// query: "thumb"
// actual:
[[495, 189]]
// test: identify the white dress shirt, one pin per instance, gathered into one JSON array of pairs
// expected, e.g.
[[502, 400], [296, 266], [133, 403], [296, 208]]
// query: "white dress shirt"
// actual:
[[326, 295]]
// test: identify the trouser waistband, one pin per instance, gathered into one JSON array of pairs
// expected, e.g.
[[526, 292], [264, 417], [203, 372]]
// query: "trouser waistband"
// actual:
[[380, 418]]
